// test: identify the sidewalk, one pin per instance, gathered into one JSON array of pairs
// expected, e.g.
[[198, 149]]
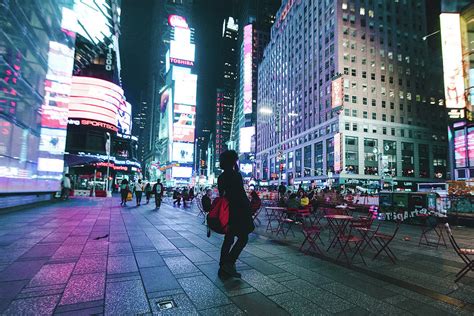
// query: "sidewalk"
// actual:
[[90, 256]]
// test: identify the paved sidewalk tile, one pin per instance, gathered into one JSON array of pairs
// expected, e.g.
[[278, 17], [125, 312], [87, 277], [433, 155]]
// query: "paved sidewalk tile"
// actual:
[[90, 256], [126, 298]]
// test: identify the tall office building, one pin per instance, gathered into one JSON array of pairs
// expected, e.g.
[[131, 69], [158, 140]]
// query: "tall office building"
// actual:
[[343, 96], [255, 21], [225, 96]]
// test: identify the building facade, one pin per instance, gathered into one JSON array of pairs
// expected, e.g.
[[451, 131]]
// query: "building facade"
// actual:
[[343, 97], [225, 94], [255, 21]]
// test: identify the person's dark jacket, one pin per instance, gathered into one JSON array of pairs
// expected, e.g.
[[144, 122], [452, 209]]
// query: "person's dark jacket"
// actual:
[[206, 203], [231, 186], [162, 189]]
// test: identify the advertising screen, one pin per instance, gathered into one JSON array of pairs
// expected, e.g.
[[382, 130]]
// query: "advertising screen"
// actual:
[[34, 117], [246, 169], [185, 87], [181, 172], [124, 118], [246, 134], [337, 92], [184, 123], [181, 47], [165, 109], [337, 152], [460, 148], [452, 60], [470, 145], [247, 76], [183, 152]]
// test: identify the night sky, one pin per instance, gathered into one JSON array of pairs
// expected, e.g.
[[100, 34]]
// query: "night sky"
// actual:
[[207, 20]]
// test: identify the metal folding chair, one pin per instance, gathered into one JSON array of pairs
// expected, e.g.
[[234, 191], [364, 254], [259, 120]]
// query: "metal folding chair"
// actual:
[[466, 254], [286, 218], [255, 216], [384, 240]]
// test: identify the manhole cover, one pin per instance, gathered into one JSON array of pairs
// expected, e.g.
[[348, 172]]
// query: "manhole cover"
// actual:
[[164, 305]]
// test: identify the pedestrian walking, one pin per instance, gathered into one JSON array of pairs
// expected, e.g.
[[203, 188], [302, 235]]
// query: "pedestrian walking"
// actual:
[[65, 186], [138, 191], [148, 192], [231, 186], [124, 189], [176, 197], [185, 196], [158, 191]]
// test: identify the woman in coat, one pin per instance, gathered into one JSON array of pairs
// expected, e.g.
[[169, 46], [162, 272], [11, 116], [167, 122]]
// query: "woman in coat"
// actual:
[[231, 186]]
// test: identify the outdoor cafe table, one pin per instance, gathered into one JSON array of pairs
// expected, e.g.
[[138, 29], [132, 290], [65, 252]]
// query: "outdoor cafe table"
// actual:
[[338, 224], [273, 213]]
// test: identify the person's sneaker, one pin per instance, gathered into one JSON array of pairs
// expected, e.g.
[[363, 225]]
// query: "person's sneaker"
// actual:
[[230, 270]]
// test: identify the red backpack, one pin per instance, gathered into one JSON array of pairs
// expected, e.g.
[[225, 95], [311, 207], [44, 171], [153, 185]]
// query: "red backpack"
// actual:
[[218, 217]]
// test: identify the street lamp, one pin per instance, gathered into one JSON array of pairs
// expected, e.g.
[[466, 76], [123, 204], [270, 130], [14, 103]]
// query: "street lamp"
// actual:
[[429, 35], [378, 156]]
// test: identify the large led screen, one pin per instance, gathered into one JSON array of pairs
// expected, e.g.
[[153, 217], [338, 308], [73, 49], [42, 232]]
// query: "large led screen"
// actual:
[[247, 69], [183, 152], [184, 123], [185, 87], [165, 109], [34, 104], [180, 46], [452, 60], [246, 134], [124, 118], [181, 172], [460, 158], [95, 99]]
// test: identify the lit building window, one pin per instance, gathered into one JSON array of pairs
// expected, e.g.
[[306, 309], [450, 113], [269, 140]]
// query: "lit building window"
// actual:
[[362, 11]]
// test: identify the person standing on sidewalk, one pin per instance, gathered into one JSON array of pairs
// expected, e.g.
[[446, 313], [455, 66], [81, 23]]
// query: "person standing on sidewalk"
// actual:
[[231, 186], [158, 190], [139, 191], [66, 185], [124, 189]]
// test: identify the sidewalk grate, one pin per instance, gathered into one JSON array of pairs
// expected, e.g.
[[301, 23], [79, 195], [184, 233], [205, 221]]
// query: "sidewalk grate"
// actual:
[[165, 305]]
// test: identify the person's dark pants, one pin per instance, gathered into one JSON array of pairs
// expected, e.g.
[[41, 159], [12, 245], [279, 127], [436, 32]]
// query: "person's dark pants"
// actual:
[[177, 201], [123, 195], [158, 200], [138, 195], [229, 255], [148, 197]]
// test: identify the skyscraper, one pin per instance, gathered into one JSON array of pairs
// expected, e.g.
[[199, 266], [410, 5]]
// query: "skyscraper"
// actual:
[[225, 96], [343, 98], [255, 20]]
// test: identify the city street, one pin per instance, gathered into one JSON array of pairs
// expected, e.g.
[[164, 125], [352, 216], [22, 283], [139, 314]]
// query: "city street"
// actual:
[[91, 256]]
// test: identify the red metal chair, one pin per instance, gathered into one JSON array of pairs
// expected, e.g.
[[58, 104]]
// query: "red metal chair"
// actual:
[[255, 216], [310, 231], [286, 218], [384, 240], [466, 254]]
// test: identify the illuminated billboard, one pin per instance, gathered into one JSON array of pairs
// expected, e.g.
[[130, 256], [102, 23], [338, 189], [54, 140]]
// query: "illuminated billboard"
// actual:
[[184, 123], [185, 87], [247, 71], [34, 116], [124, 118], [165, 109], [337, 92], [183, 152], [95, 99], [245, 143], [181, 47], [337, 152], [181, 172], [452, 63]]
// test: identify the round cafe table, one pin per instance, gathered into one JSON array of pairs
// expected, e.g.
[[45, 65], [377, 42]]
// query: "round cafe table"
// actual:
[[338, 224]]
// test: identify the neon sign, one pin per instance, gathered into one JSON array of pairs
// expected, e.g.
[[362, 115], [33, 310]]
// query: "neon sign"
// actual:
[[93, 123], [247, 69], [183, 62]]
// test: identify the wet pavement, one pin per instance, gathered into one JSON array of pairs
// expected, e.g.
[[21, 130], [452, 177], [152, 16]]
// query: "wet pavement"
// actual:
[[91, 256]]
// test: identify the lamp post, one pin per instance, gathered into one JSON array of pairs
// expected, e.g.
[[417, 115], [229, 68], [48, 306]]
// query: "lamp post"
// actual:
[[107, 149], [378, 156]]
